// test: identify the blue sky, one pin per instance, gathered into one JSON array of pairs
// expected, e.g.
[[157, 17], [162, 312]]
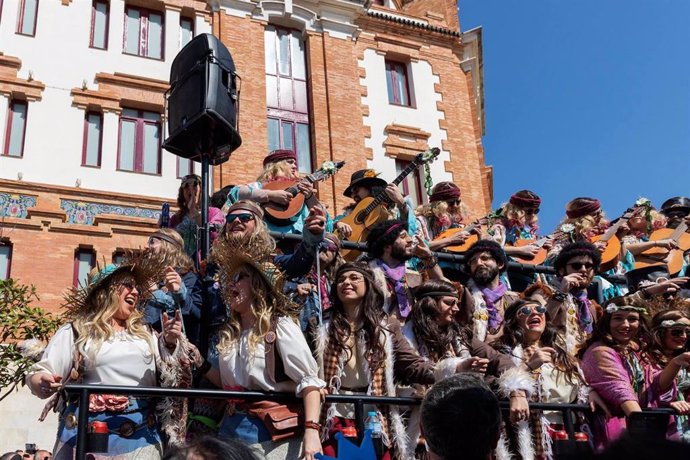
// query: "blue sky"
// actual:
[[586, 98]]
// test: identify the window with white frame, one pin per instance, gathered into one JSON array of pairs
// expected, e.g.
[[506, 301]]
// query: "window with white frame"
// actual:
[[186, 30], [143, 32], [412, 185], [286, 94], [185, 167], [93, 139], [398, 83], [84, 261], [15, 131], [99, 24], [139, 144], [27, 17], [5, 259]]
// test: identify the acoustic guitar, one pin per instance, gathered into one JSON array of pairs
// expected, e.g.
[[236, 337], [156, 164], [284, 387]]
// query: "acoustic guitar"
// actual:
[[612, 252], [471, 239], [661, 256], [539, 257], [281, 214], [372, 210]]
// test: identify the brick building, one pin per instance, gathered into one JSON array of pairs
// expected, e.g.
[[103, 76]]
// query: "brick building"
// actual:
[[82, 175]]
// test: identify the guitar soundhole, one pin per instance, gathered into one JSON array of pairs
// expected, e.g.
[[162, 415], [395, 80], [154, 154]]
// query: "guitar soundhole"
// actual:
[[359, 218]]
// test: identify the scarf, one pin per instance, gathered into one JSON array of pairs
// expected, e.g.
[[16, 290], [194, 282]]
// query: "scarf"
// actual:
[[491, 296], [397, 276], [322, 282], [584, 317]]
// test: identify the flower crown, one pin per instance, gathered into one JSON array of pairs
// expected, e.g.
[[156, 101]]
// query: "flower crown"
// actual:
[[612, 308]]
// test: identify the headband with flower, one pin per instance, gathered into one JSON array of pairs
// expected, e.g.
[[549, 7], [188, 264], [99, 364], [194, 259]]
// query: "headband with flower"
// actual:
[[612, 308]]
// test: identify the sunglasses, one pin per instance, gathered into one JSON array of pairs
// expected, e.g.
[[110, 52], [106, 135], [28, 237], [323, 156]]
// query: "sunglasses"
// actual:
[[579, 265], [237, 277], [328, 247], [532, 211], [527, 310], [454, 202], [679, 332], [244, 217]]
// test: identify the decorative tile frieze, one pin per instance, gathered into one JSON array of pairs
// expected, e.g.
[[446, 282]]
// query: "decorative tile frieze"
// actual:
[[15, 205], [84, 213]]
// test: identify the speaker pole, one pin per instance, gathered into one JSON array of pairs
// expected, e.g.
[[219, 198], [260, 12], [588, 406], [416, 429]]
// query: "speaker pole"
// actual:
[[205, 237]]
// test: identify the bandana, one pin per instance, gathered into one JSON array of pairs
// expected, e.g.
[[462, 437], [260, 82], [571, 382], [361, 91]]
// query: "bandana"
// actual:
[[397, 275], [491, 296], [584, 317], [589, 208]]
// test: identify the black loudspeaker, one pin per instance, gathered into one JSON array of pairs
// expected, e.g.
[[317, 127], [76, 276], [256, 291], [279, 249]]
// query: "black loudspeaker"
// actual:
[[202, 102]]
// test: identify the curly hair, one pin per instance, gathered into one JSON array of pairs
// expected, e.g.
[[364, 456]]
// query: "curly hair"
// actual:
[[259, 236], [436, 211], [435, 339], [602, 328], [515, 216], [94, 328], [514, 335], [653, 351], [371, 315], [587, 225], [383, 234], [577, 249], [267, 306]]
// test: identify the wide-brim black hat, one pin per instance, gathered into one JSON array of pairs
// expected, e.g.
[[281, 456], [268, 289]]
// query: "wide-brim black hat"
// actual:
[[364, 177], [677, 203], [650, 274]]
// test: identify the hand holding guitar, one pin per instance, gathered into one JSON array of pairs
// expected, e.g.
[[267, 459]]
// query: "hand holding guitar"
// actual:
[[344, 229], [279, 196], [394, 194]]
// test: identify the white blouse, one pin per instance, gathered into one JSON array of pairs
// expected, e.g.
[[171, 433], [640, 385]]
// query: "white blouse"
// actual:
[[123, 360], [239, 366]]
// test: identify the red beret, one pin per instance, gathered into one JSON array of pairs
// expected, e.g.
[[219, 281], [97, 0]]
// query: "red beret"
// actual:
[[278, 155]]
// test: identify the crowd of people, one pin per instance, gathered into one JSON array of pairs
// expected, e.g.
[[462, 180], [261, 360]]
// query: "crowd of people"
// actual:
[[306, 317]]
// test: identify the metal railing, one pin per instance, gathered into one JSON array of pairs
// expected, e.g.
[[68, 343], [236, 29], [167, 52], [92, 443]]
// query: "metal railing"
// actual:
[[456, 258], [84, 392]]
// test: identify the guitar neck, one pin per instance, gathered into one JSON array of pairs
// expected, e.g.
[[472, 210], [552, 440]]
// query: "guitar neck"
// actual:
[[679, 231], [381, 197]]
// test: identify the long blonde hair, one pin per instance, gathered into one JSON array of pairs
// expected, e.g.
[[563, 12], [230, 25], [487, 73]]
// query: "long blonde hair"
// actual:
[[271, 171], [266, 307], [94, 328]]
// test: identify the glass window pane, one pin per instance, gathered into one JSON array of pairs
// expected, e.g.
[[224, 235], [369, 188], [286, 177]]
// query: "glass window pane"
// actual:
[[155, 36], [132, 31], [298, 65], [131, 113], [100, 24], [285, 94], [273, 134], [84, 261], [402, 84], [303, 148], [5, 254], [184, 166], [284, 58], [270, 48], [93, 137], [18, 121], [127, 139], [186, 31], [271, 91], [151, 116], [301, 96], [29, 17], [389, 84], [288, 141], [151, 135]]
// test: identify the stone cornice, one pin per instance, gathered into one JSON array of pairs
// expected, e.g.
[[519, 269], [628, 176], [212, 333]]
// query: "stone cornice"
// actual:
[[11, 84]]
